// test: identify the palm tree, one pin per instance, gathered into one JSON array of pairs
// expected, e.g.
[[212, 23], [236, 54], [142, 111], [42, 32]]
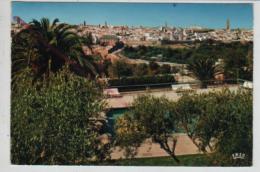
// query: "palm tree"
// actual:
[[204, 69], [55, 45], [24, 52]]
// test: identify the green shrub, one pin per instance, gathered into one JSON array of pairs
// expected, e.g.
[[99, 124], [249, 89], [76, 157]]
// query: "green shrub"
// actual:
[[221, 120], [51, 120], [156, 79]]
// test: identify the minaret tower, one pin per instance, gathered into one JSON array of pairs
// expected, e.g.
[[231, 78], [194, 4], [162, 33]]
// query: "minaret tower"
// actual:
[[228, 25]]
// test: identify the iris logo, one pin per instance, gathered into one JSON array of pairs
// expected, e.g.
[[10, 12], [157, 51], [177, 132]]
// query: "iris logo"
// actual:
[[238, 156]]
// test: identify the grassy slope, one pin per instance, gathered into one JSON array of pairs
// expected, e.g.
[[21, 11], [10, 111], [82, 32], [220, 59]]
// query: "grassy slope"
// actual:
[[185, 160]]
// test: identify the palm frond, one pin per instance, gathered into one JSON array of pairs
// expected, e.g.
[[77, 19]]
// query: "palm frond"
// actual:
[[50, 40], [54, 23]]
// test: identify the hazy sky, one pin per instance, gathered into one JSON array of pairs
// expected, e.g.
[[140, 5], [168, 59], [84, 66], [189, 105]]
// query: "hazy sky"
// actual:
[[136, 14]]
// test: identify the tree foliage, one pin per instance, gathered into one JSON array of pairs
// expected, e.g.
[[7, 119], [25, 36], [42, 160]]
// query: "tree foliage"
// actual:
[[141, 69], [239, 64], [219, 123], [204, 69], [122, 68], [55, 121], [155, 79], [237, 56], [150, 117], [46, 46]]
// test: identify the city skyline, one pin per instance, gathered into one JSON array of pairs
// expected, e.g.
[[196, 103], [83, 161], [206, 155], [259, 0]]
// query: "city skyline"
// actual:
[[140, 14]]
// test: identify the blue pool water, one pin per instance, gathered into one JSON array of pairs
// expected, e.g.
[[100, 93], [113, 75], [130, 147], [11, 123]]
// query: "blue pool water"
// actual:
[[112, 115]]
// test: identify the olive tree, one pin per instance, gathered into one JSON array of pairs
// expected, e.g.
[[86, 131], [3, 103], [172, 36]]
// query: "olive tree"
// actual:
[[56, 121], [219, 122], [150, 117]]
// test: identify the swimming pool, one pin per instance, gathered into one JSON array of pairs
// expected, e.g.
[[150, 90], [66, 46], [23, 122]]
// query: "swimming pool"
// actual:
[[112, 115]]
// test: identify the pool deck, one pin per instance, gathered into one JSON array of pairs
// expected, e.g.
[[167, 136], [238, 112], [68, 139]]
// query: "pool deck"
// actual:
[[148, 149], [128, 97]]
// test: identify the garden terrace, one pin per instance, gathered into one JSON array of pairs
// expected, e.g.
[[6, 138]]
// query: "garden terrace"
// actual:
[[129, 93], [141, 83], [165, 83]]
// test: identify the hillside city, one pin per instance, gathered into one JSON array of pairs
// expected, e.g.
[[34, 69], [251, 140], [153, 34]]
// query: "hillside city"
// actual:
[[156, 34]]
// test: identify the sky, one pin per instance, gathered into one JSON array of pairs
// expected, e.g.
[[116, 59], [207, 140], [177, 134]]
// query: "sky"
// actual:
[[139, 14]]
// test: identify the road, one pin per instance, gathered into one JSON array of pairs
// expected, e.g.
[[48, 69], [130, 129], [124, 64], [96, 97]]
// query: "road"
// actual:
[[138, 61]]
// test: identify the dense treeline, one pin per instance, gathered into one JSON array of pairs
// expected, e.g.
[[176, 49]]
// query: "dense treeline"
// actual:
[[121, 68], [159, 53], [181, 55], [125, 81], [237, 56]]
